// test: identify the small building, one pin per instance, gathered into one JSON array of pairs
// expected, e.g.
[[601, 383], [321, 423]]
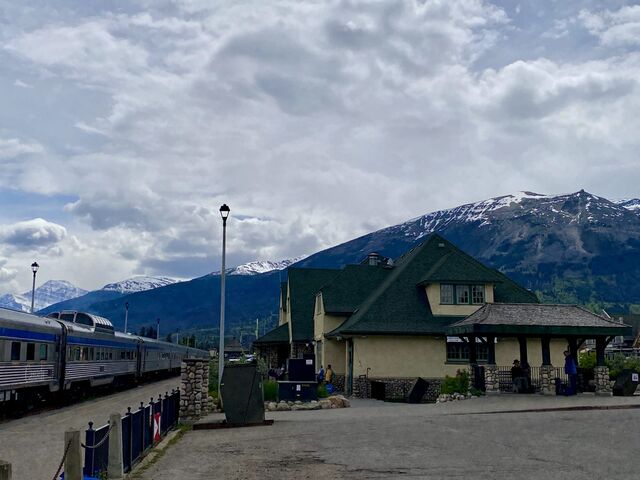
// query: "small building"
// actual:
[[391, 322]]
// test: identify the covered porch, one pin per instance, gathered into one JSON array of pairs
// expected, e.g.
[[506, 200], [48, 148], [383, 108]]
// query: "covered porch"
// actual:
[[535, 321]]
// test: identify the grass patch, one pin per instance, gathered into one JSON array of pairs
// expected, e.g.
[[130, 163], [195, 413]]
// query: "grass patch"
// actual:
[[270, 388]]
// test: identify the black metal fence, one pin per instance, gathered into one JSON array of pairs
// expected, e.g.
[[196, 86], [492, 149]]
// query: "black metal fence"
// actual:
[[141, 429], [506, 382]]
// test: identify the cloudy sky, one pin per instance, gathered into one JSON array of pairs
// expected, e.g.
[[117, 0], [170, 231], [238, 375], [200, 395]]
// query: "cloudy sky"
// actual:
[[125, 125]]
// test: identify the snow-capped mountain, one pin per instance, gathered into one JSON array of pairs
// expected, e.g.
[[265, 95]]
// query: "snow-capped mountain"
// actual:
[[50, 292], [632, 204], [138, 283], [254, 268]]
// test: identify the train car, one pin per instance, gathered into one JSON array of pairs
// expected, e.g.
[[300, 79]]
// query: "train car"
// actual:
[[95, 354], [29, 357]]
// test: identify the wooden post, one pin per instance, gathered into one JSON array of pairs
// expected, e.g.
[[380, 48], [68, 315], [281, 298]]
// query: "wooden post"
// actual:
[[5, 470], [473, 355], [491, 347], [73, 461], [546, 351], [115, 467], [601, 343], [523, 350]]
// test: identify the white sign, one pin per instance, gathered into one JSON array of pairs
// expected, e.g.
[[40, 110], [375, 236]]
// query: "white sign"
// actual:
[[634, 377], [298, 388], [309, 361]]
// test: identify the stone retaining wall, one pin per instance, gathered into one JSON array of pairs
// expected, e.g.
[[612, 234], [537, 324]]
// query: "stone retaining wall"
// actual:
[[491, 379], [547, 380], [396, 388], [601, 379], [194, 388], [338, 383]]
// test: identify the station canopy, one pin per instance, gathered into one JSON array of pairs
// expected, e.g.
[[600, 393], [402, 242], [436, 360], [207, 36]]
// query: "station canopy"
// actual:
[[529, 319]]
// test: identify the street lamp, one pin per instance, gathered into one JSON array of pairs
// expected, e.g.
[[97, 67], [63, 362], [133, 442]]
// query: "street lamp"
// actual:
[[34, 269], [126, 315], [224, 213]]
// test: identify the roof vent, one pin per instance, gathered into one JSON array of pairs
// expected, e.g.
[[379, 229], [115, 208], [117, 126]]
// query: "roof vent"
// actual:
[[373, 259], [441, 245]]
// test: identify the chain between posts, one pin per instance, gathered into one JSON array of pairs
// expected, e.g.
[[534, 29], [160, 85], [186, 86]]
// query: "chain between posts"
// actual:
[[64, 457], [104, 439]]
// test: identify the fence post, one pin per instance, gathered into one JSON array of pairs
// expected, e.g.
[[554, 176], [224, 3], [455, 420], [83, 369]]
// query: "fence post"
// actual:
[[114, 467], [5, 470], [73, 461]]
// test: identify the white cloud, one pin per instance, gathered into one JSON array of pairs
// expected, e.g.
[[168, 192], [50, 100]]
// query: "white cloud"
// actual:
[[14, 147], [620, 28], [34, 233]]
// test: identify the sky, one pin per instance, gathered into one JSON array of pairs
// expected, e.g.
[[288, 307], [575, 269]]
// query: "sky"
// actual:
[[124, 125]]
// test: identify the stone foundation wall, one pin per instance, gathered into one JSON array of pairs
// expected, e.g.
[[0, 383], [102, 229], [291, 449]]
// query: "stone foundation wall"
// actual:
[[491, 379], [338, 383], [601, 379], [194, 388], [547, 380], [396, 388]]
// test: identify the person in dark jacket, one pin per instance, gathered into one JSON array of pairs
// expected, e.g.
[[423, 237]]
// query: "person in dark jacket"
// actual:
[[571, 369]]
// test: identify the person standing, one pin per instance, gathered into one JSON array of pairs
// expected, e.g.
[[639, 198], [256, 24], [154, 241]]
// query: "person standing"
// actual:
[[328, 377], [571, 369], [321, 375]]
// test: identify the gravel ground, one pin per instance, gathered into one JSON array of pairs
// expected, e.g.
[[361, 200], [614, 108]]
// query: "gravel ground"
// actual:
[[452, 440], [34, 444]]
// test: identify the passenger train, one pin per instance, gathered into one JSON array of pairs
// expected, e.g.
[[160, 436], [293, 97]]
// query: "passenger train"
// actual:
[[72, 350]]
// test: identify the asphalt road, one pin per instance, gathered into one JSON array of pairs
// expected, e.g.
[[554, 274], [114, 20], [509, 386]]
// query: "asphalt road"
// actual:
[[34, 445], [388, 441]]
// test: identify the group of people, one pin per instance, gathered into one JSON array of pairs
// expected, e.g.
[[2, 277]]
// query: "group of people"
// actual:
[[521, 375], [325, 377]]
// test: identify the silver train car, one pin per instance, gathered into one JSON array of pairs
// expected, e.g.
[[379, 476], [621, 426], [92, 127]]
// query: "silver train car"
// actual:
[[76, 350]]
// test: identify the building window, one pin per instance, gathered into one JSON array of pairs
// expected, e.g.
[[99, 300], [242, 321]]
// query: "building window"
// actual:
[[477, 294], [458, 351], [446, 293], [15, 351], [462, 294]]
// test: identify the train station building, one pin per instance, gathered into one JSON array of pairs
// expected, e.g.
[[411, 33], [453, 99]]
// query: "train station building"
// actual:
[[431, 312]]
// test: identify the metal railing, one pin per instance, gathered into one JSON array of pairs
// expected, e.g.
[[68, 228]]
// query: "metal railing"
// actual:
[[139, 433], [506, 382]]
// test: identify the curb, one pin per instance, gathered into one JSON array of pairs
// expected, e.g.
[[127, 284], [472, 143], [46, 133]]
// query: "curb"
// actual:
[[577, 408]]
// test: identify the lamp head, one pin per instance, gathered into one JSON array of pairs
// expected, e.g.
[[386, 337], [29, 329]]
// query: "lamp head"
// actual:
[[224, 211], [34, 267], [126, 305]]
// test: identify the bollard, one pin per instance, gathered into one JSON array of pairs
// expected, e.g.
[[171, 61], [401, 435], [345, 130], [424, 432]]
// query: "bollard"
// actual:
[[5, 470], [115, 467], [73, 460]]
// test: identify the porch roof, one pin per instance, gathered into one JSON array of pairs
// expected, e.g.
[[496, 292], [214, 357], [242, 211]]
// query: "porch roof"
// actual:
[[277, 335], [530, 319]]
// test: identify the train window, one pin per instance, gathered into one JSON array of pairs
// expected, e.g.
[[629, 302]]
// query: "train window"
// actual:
[[110, 355], [91, 350], [15, 351], [68, 317], [44, 350], [31, 351], [76, 353], [84, 319], [85, 353], [122, 355]]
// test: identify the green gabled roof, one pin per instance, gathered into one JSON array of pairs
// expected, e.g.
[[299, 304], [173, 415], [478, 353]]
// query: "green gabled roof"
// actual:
[[399, 305], [456, 268], [345, 293], [304, 284], [508, 291], [279, 334]]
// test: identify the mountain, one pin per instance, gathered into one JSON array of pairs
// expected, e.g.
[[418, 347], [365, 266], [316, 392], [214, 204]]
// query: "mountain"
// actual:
[[575, 247], [571, 248], [50, 292], [264, 266], [138, 284]]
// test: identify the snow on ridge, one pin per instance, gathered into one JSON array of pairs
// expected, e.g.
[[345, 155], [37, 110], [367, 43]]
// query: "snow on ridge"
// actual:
[[50, 292], [139, 283], [263, 266], [632, 204]]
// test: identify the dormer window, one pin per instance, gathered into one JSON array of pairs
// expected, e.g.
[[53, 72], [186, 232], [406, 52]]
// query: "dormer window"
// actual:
[[461, 294]]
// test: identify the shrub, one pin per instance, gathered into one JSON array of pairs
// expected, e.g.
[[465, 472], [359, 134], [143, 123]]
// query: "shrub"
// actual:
[[270, 388], [587, 360], [457, 384]]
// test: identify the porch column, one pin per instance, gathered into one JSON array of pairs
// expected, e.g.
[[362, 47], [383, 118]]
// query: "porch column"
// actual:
[[547, 373], [473, 355], [601, 371], [523, 350], [573, 348], [491, 381]]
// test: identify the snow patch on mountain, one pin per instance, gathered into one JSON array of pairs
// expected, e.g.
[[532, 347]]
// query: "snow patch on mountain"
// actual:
[[261, 266], [632, 204], [139, 283], [50, 292]]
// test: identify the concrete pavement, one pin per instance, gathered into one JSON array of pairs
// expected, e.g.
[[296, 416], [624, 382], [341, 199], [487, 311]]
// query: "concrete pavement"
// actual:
[[34, 445], [451, 440]]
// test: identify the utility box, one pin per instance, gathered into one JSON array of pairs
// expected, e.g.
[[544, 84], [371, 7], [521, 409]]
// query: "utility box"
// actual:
[[242, 394], [303, 391], [626, 383]]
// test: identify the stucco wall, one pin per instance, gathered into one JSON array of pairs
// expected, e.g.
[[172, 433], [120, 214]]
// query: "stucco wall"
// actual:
[[433, 294], [334, 354], [388, 356], [508, 349]]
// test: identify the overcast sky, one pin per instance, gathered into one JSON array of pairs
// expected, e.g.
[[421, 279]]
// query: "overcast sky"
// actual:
[[125, 125]]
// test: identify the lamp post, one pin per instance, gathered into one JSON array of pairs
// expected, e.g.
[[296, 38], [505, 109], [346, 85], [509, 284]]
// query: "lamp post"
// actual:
[[126, 315], [157, 329], [34, 269], [224, 213]]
